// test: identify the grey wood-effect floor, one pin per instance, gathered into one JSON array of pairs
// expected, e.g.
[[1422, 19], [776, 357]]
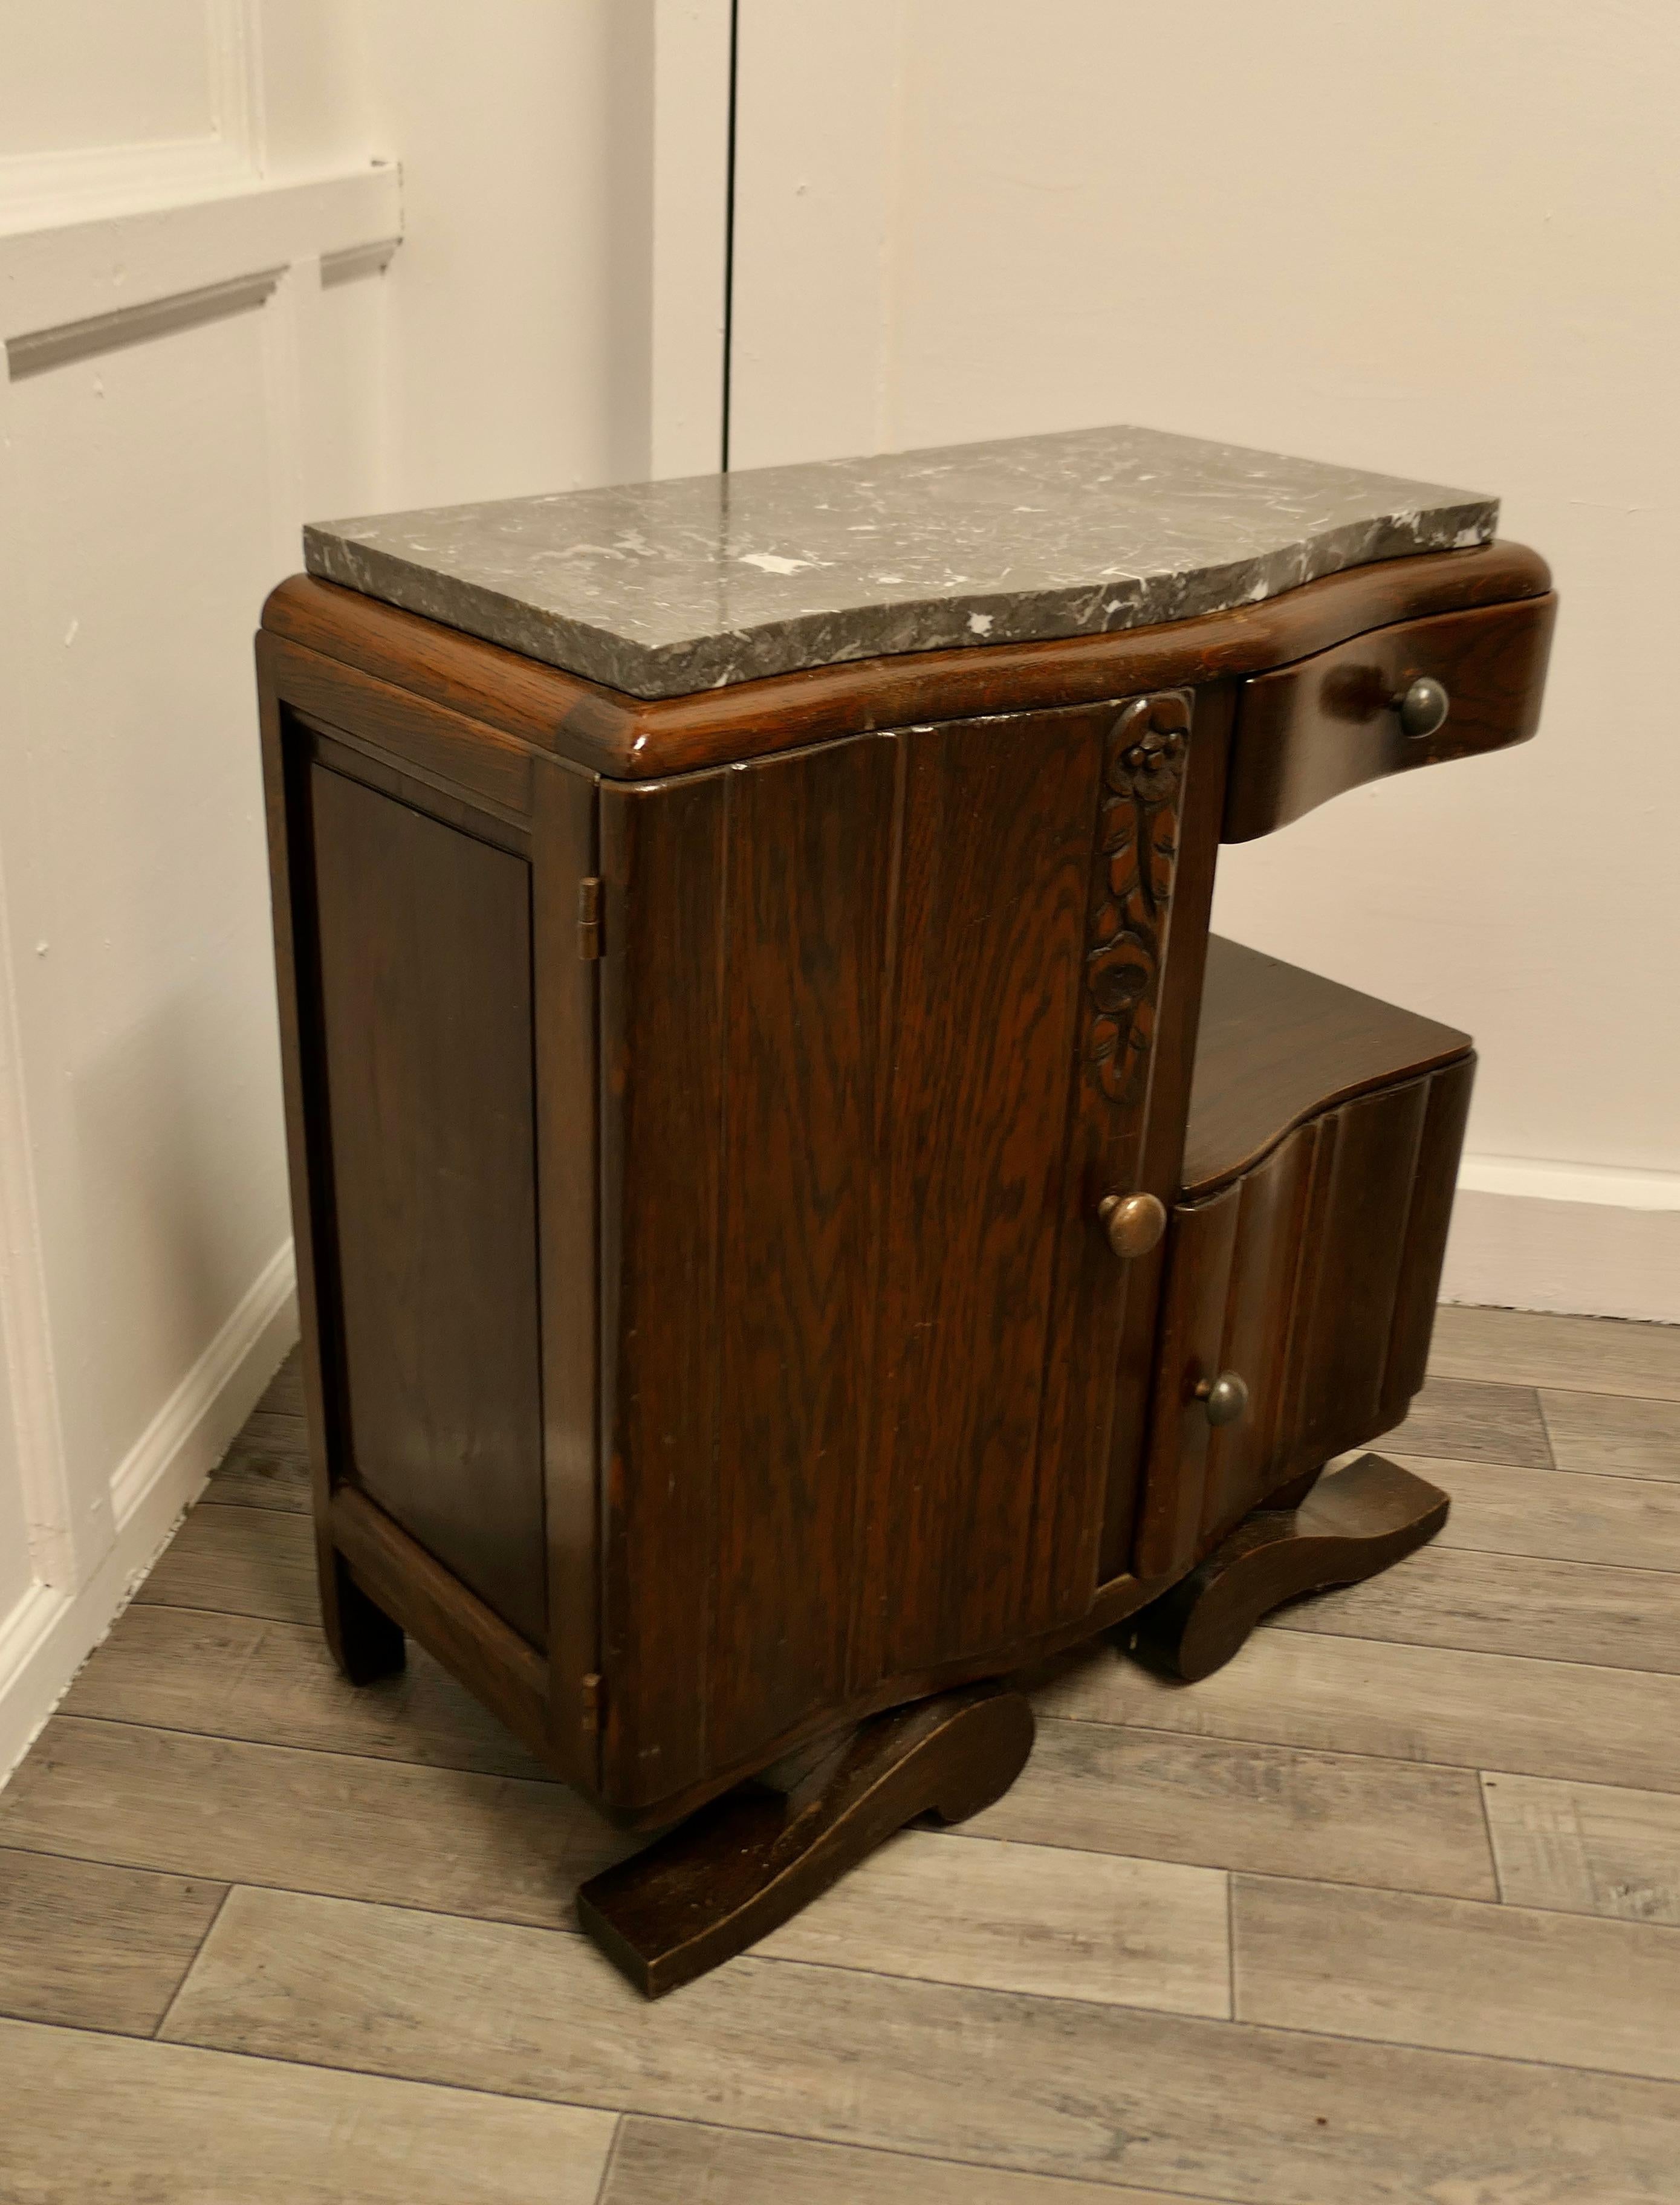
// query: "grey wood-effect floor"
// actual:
[[1387, 1911]]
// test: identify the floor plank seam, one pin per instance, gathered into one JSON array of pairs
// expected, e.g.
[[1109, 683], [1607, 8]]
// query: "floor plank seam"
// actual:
[[158, 2026], [1493, 1847], [328, 1752], [611, 2159], [1445, 1646], [1096, 2008]]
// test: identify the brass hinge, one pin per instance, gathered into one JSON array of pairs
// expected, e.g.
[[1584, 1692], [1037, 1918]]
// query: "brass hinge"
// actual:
[[589, 917], [590, 1694]]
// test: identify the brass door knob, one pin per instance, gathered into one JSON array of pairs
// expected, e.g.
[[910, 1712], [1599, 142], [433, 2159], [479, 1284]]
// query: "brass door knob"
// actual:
[[1423, 707], [1133, 1223], [1224, 1398]]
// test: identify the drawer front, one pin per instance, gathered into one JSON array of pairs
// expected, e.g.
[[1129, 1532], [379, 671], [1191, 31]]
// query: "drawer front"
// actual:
[[1307, 732], [1312, 1277]]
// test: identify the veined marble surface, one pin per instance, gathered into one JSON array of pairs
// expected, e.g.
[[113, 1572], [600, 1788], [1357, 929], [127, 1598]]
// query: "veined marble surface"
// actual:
[[662, 588]]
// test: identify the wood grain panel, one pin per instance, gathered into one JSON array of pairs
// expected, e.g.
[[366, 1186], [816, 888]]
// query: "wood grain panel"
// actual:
[[1355, 1255], [565, 986], [1629, 1523], [842, 2057], [947, 1909], [92, 1946], [440, 746], [1513, 1982], [680, 2162], [810, 849], [1610, 1434], [1276, 1046], [1586, 1848], [424, 947], [1468, 1420], [230, 1676], [1404, 1703], [455, 1842], [1585, 1354], [997, 846], [1506, 1604], [1234, 1803], [198, 2128], [1161, 1168], [664, 860], [240, 1562]]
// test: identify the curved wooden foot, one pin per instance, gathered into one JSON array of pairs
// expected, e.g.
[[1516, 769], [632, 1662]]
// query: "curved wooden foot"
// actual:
[[1350, 1526], [743, 1866]]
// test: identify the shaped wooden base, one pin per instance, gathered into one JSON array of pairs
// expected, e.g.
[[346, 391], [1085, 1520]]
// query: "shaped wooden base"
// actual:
[[1348, 1527], [741, 1867]]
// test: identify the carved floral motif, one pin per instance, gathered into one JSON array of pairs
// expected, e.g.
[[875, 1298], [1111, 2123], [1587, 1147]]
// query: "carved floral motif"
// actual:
[[1137, 850]]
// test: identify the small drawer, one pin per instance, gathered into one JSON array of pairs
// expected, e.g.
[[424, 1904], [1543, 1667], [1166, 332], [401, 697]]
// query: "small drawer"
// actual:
[[1307, 732], [1310, 1278]]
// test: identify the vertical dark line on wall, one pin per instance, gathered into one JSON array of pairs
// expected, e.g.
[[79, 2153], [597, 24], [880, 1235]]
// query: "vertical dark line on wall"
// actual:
[[728, 229]]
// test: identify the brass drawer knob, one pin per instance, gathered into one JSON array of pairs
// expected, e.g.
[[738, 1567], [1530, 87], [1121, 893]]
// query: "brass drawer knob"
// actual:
[[1133, 1223], [1224, 1398], [1423, 707]]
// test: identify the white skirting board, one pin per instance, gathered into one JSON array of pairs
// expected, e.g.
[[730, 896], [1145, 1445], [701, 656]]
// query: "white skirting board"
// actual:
[[1585, 1240], [52, 1632]]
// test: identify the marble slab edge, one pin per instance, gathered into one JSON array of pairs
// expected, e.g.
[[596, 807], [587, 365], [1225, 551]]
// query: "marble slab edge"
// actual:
[[830, 638]]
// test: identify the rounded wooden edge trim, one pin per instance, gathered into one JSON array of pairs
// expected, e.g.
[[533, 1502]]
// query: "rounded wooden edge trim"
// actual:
[[1218, 1180], [630, 739]]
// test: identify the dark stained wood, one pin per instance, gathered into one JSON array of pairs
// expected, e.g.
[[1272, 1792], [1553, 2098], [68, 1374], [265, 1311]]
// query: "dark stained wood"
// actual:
[[566, 988], [397, 1575], [1160, 1166], [662, 972], [1351, 1526], [1277, 1045], [1424, 1250], [807, 896], [745, 1865], [627, 738], [1307, 1251], [1306, 733], [355, 1641], [993, 893], [435, 744], [712, 1341], [423, 954]]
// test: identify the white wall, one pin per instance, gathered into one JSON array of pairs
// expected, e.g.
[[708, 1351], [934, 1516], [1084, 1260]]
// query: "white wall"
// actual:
[[221, 176], [1437, 237]]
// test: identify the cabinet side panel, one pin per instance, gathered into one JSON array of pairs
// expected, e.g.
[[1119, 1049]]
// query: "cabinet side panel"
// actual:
[[810, 843], [662, 971], [423, 947], [994, 872]]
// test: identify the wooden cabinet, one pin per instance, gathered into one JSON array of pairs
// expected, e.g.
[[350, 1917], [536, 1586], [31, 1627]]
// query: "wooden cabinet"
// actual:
[[702, 1115]]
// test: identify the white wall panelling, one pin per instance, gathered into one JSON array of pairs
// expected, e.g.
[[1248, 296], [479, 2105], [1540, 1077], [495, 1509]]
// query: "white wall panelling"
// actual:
[[211, 333], [175, 377], [1416, 235]]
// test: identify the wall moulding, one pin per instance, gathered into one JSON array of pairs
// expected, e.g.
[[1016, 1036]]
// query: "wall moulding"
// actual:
[[57, 277]]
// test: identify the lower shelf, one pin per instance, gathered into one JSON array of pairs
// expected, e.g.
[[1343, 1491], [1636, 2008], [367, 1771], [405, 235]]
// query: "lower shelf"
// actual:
[[1306, 1247]]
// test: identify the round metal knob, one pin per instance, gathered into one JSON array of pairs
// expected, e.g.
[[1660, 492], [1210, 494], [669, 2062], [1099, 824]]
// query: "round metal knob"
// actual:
[[1224, 1398], [1133, 1223], [1423, 707]]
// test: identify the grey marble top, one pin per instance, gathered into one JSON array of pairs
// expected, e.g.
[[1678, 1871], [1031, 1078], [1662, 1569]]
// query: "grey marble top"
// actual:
[[662, 588]]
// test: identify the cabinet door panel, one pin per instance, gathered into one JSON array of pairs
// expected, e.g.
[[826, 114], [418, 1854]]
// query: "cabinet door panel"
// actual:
[[423, 950]]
